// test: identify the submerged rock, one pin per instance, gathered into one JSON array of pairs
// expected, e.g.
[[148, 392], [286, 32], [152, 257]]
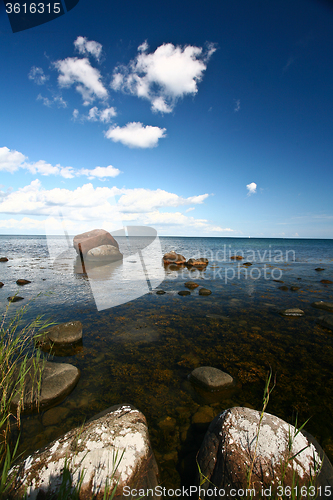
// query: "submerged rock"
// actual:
[[319, 269], [294, 288], [57, 380], [160, 292], [93, 239], [326, 306], [204, 291], [15, 298], [326, 322], [326, 282], [65, 333], [184, 292], [236, 257], [119, 435], [22, 282], [247, 264], [191, 285], [210, 378], [284, 288], [292, 312], [230, 443]]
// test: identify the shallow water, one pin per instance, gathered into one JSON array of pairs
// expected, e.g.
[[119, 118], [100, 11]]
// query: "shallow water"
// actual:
[[141, 351]]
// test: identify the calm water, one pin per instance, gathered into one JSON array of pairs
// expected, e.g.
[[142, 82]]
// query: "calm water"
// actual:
[[139, 347]]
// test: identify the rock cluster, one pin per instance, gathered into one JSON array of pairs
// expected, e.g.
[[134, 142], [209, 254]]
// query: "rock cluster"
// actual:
[[178, 259]]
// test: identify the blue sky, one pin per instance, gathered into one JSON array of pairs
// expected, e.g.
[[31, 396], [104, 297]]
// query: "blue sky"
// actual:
[[198, 119]]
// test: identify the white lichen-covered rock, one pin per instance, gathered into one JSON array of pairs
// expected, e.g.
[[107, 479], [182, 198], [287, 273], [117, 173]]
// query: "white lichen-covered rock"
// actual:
[[230, 444], [119, 435]]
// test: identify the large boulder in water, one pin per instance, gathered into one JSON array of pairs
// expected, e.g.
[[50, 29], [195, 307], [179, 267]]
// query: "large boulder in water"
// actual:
[[92, 239], [115, 441], [230, 446], [103, 253]]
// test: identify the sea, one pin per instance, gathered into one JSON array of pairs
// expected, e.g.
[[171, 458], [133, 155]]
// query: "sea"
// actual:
[[142, 339]]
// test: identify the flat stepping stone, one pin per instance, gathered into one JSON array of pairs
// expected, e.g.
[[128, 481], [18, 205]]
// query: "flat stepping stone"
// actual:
[[247, 264], [278, 281], [23, 282], [202, 262], [3, 259], [65, 333], [184, 292], [210, 378], [191, 285], [236, 257], [326, 322], [319, 269], [292, 312], [326, 306], [15, 298], [160, 292], [326, 282], [204, 291], [57, 381]]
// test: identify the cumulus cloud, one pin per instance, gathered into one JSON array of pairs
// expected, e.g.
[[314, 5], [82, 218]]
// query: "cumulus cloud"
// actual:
[[86, 206], [100, 172], [85, 46], [10, 160], [37, 75], [78, 71], [164, 76], [136, 135], [252, 188], [146, 200]]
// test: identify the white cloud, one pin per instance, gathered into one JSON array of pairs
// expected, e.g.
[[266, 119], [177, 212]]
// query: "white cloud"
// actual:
[[84, 46], [43, 168], [88, 79], [237, 105], [37, 75], [86, 207], [58, 100], [104, 115], [163, 76], [252, 188], [136, 135], [10, 160], [190, 209], [146, 200], [100, 172]]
